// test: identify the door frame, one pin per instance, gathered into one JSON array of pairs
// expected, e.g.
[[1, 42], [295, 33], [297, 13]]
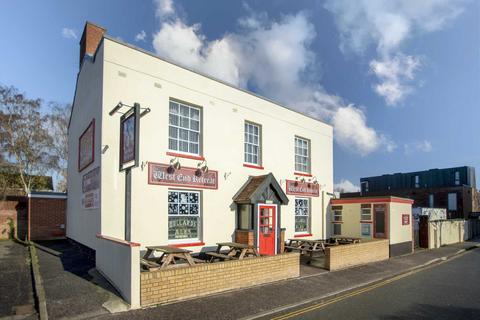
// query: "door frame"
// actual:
[[258, 223], [387, 221]]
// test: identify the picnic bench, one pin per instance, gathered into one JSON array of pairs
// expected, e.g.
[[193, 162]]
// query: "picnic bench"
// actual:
[[307, 247], [169, 254], [234, 251], [345, 240]]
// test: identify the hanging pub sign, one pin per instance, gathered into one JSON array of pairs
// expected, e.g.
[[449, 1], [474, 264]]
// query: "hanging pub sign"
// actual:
[[167, 175], [129, 129], [299, 188]]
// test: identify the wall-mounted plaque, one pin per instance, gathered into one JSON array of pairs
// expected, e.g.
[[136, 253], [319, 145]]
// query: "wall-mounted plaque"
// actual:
[[299, 188], [86, 146], [164, 174], [91, 189]]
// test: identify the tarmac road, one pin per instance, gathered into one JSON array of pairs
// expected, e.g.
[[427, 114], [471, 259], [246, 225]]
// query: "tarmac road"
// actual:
[[450, 290]]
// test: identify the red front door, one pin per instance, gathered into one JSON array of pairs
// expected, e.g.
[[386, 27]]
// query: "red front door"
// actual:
[[267, 216]]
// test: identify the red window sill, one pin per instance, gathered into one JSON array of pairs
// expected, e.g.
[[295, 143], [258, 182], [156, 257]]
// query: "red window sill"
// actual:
[[186, 156], [253, 166], [192, 244], [366, 221], [303, 235], [337, 221], [303, 174]]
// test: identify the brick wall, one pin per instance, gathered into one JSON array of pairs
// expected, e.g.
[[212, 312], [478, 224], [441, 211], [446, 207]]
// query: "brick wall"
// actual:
[[13, 211], [47, 218], [244, 236], [345, 256], [187, 282]]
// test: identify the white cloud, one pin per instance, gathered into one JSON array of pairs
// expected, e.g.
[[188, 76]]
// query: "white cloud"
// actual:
[[388, 25], [352, 132], [418, 146], [141, 36], [272, 57], [68, 33], [345, 186], [394, 75]]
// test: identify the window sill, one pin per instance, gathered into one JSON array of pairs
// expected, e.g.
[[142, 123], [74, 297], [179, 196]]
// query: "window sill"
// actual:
[[303, 235], [186, 156], [190, 244], [303, 174], [366, 221], [337, 221], [253, 166]]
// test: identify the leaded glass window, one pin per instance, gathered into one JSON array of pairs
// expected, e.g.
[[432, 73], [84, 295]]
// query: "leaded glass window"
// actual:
[[302, 215], [183, 215]]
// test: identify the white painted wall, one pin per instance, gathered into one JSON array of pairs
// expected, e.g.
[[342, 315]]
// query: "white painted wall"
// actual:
[[83, 225], [120, 264], [224, 111]]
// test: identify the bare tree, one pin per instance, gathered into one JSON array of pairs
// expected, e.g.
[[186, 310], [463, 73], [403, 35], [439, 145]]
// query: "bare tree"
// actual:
[[24, 136], [58, 128]]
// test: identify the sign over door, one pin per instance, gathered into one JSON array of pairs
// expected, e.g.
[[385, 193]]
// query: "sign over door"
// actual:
[[267, 235]]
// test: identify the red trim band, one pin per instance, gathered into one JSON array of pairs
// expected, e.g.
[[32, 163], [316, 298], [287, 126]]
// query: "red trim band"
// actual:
[[193, 244], [303, 235], [371, 200], [119, 241], [253, 166], [186, 156], [303, 174]]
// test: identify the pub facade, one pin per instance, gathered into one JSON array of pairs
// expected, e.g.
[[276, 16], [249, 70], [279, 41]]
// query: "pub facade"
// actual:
[[163, 155]]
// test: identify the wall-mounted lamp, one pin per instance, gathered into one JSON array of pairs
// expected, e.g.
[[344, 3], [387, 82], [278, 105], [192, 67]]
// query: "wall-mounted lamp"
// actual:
[[202, 168], [174, 165], [104, 148]]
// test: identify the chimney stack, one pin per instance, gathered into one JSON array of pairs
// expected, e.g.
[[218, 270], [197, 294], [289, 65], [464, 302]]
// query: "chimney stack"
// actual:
[[91, 37]]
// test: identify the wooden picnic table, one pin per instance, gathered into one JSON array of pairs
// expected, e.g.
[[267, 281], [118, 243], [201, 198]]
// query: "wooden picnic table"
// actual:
[[169, 254], [308, 246], [235, 251], [345, 240]]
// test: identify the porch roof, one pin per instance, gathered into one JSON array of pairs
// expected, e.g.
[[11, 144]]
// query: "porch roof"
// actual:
[[260, 188]]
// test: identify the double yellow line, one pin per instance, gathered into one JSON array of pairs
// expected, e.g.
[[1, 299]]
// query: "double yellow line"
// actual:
[[321, 305]]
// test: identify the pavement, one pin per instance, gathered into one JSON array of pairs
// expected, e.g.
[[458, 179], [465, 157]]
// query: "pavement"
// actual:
[[16, 290], [73, 287], [75, 290], [449, 290], [266, 300]]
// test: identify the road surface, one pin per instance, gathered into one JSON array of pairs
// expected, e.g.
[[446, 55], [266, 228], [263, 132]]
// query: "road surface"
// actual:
[[450, 290]]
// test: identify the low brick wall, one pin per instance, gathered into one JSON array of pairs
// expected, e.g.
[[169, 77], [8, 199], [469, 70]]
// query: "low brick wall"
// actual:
[[345, 256], [187, 282], [13, 214], [47, 218]]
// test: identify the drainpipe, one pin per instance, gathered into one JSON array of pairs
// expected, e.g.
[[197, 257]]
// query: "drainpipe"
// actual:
[[323, 215], [29, 204]]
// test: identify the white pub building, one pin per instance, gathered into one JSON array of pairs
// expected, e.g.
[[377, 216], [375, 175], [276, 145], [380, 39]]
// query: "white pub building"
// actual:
[[163, 155]]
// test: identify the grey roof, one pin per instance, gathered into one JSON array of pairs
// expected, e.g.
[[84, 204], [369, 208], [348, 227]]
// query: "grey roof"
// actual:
[[252, 190]]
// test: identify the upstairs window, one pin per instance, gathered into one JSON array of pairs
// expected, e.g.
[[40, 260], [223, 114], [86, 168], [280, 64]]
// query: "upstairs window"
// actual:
[[302, 155], [252, 143], [184, 128], [457, 178]]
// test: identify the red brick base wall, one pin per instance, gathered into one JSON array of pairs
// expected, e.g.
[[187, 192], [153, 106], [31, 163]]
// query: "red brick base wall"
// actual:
[[47, 218], [13, 218], [244, 236]]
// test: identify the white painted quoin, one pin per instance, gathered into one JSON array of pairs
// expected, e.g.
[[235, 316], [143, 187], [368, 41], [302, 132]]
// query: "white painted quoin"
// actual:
[[292, 146]]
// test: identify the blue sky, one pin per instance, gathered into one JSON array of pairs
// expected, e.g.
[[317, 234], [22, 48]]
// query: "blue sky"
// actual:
[[399, 80]]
